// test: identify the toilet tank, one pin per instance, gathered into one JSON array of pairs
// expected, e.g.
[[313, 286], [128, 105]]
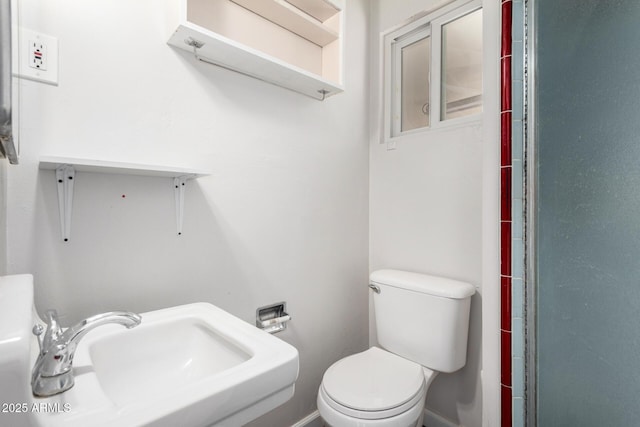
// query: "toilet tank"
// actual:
[[423, 318]]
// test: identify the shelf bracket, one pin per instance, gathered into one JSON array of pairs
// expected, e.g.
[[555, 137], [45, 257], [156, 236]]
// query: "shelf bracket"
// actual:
[[65, 175], [179, 184]]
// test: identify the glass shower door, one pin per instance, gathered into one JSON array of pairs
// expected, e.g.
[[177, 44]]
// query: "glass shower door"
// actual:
[[587, 209]]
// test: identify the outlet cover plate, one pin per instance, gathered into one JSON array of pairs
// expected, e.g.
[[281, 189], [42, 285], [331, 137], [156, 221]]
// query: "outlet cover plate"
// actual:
[[26, 38]]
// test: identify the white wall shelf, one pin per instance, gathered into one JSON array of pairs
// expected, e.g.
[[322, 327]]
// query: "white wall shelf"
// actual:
[[290, 17], [322, 10], [122, 168], [271, 40], [66, 168]]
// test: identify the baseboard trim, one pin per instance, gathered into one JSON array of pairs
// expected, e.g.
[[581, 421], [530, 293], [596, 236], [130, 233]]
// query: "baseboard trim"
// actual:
[[311, 420], [431, 419]]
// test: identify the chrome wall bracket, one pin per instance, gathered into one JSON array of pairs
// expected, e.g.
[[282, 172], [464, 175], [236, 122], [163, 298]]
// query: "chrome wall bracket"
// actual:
[[65, 175], [179, 184], [272, 318]]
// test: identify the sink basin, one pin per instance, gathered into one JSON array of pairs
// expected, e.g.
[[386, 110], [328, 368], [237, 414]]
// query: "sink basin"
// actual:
[[175, 354], [190, 365]]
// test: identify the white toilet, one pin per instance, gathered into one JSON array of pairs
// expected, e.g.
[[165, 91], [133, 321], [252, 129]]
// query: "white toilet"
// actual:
[[422, 324]]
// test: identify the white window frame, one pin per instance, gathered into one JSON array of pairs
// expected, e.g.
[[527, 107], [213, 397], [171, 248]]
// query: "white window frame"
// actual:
[[427, 25], [396, 47]]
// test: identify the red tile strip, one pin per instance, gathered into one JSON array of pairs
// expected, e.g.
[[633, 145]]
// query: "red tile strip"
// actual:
[[505, 304], [505, 194], [505, 48], [505, 343], [506, 411], [505, 72], [505, 138], [505, 213], [505, 250]]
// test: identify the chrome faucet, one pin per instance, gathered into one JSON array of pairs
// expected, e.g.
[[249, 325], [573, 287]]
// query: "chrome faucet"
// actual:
[[53, 370]]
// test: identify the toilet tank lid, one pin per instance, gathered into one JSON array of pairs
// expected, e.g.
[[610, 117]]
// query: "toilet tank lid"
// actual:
[[432, 285]]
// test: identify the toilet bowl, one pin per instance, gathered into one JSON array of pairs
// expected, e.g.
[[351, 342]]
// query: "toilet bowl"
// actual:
[[374, 388], [422, 324]]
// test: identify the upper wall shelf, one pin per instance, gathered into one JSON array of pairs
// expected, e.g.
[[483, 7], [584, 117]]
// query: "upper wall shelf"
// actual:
[[321, 10], [290, 17], [65, 169], [295, 44]]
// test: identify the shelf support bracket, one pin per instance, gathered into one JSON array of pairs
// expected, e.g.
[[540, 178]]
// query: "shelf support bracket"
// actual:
[[179, 184], [65, 176]]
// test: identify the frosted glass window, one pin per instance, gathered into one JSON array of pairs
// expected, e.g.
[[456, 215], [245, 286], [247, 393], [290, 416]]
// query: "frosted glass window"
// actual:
[[462, 66], [416, 60], [433, 71]]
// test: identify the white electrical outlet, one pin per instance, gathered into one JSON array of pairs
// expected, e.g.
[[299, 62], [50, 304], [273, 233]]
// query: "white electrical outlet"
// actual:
[[37, 57], [38, 53]]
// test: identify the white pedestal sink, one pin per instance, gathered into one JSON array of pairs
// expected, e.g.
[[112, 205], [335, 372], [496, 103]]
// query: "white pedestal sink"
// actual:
[[191, 365]]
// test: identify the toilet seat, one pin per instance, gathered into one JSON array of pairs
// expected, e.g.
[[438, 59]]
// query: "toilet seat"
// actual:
[[374, 384]]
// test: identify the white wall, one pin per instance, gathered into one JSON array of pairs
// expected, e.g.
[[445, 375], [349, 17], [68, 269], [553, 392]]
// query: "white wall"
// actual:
[[284, 215], [426, 204], [491, 216]]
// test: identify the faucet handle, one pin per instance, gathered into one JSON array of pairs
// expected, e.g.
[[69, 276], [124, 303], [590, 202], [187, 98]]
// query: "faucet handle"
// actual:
[[52, 319], [37, 331], [53, 331]]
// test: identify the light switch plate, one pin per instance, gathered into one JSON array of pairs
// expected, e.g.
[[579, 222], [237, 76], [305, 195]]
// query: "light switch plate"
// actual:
[[27, 41]]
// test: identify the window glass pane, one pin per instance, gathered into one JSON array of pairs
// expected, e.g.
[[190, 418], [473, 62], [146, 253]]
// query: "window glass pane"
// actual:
[[416, 61], [462, 66]]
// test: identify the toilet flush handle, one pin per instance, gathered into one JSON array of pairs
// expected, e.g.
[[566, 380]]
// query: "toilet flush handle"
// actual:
[[375, 288]]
